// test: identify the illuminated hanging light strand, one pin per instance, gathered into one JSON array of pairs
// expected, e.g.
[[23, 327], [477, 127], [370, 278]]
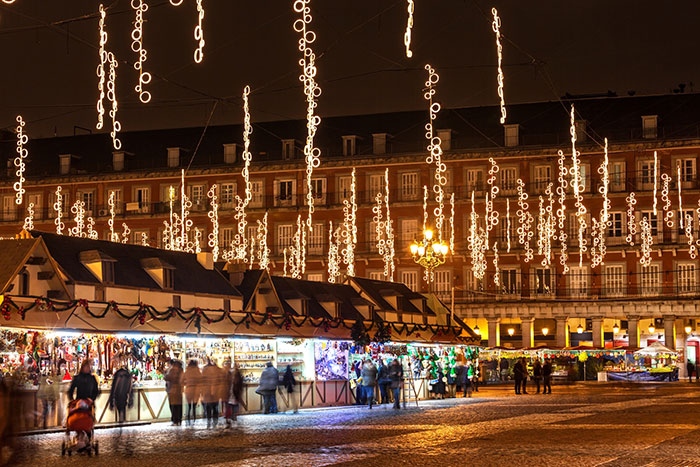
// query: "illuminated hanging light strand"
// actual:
[[389, 264], [578, 186], [599, 226], [144, 239], [561, 212], [631, 221], [435, 150], [184, 243], [91, 232], [425, 207], [491, 216], [525, 220], [476, 247], [349, 230], [240, 241], [665, 198], [496, 26], [497, 273], [647, 241], [680, 199], [22, 153], [263, 250], [101, 74], [112, 96], [688, 228], [199, 32], [333, 255], [452, 225], [29, 220], [251, 256], [656, 172], [379, 229], [140, 7], [58, 209], [507, 224], [125, 233], [213, 215], [409, 26], [113, 236], [550, 226], [296, 257], [78, 209], [312, 91]]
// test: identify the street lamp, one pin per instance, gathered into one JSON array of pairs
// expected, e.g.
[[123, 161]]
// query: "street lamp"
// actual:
[[651, 329], [511, 331], [545, 331], [579, 329], [477, 331], [429, 253], [688, 329], [616, 328]]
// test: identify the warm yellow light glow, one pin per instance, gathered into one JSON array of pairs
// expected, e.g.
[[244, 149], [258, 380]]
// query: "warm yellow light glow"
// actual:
[[616, 328], [101, 69], [688, 329], [78, 209], [496, 26], [436, 247], [444, 249], [29, 220], [599, 227], [176, 2], [199, 33], [263, 250], [239, 248], [452, 223], [656, 161], [561, 212], [651, 329], [511, 331], [390, 253], [477, 331], [545, 331], [213, 215], [428, 234], [665, 191], [491, 215], [126, 233], [647, 240], [579, 329], [113, 236], [144, 239], [22, 153], [578, 186], [91, 232], [140, 7], [333, 254], [497, 273], [112, 96], [414, 248], [349, 227], [58, 209], [421, 250], [476, 243], [435, 150], [409, 26], [525, 220], [631, 222], [507, 225]]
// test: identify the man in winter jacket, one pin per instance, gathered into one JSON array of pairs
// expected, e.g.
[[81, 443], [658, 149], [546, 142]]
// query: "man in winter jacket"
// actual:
[[369, 380], [120, 395], [269, 380], [84, 384], [396, 377]]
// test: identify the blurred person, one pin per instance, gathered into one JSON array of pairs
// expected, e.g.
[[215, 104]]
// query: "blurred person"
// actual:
[[547, 376], [518, 372], [396, 378], [369, 381], [48, 393], [503, 367], [439, 387], [269, 380], [468, 379], [359, 390], [84, 384], [193, 381], [10, 416], [234, 395], [383, 381], [120, 395], [174, 379], [289, 383], [211, 381], [537, 374], [460, 378], [690, 366]]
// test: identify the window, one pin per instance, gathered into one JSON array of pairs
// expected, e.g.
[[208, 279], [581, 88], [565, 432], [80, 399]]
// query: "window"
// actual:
[[349, 145], [8, 208], [511, 135], [508, 180], [646, 174], [168, 278], [687, 169], [443, 284], [585, 182], [315, 277], [23, 277], [137, 237], [316, 238], [88, 198], [197, 196], [409, 231], [503, 232], [143, 197], [173, 157], [318, 189], [510, 281], [686, 280], [285, 192], [578, 281], [65, 206], [251, 232], [118, 200], [227, 195], [376, 275], [475, 180], [177, 301], [36, 199], [617, 176], [409, 185], [614, 280], [257, 190], [285, 232], [683, 217], [653, 221], [230, 153], [376, 185], [226, 237], [542, 281], [410, 279], [344, 188], [574, 227], [543, 176], [649, 126], [107, 272], [287, 148], [650, 282], [616, 227]]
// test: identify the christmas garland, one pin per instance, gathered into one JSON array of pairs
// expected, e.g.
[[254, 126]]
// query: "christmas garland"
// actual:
[[144, 312]]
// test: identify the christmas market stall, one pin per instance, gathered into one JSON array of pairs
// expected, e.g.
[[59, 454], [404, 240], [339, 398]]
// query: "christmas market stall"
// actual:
[[654, 363]]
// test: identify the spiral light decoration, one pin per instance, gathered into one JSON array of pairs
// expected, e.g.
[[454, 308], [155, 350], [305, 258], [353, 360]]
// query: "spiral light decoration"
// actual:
[[578, 186], [389, 265], [435, 150], [240, 241], [125, 233], [604, 223], [78, 209], [113, 236], [91, 232], [561, 212], [680, 199], [631, 221], [692, 249], [476, 247], [58, 209], [491, 216], [185, 222], [101, 75], [507, 224], [647, 241], [112, 96], [349, 230], [379, 229], [656, 160], [144, 239], [496, 25], [263, 250], [22, 153], [333, 254], [29, 220], [213, 215], [312, 91], [497, 273], [297, 259], [199, 33], [140, 7], [409, 26], [425, 207], [525, 220], [452, 224], [665, 192]]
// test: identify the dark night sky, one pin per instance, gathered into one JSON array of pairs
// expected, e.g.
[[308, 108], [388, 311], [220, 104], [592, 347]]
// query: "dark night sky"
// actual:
[[586, 47]]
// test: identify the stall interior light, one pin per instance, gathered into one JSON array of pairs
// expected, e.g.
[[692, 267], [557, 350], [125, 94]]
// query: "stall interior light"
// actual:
[[651, 329], [545, 331], [579, 329], [511, 331], [616, 328], [477, 331]]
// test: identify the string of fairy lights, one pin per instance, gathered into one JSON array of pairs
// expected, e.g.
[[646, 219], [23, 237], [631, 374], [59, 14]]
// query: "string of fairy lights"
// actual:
[[22, 153], [140, 7], [409, 27]]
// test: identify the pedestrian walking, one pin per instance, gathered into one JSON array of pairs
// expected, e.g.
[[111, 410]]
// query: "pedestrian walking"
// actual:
[[174, 379], [48, 393], [547, 376], [439, 387], [690, 366], [369, 381], [396, 378], [525, 375], [537, 374], [234, 396], [84, 384], [269, 380], [383, 381], [120, 395], [289, 383], [359, 389], [460, 378], [518, 375], [503, 367], [211, 381], [193, 388]]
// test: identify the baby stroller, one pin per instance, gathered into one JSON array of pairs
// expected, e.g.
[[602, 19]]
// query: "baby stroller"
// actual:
[[81, 421]]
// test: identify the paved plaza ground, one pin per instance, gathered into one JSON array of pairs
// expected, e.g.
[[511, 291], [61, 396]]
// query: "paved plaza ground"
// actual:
[[582, 425]]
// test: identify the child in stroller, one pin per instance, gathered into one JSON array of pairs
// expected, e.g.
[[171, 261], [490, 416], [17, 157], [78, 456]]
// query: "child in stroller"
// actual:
[[80, 420]]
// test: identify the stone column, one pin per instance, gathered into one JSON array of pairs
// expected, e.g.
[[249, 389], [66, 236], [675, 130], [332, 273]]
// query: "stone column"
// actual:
[[494, 332], [527, 327], [670, 332], [681, 343], [633, 330], [598, 340], [562, 332]]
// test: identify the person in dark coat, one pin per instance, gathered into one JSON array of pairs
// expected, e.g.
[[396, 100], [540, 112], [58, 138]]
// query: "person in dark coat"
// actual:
[[369, 381], [359, 389], [461, 378], [120, 396], [235, 394], [537, 374], [396, 378], [174, 381], [289, 383], [518, 375], [269, 380], [691, 369], [525, 374], [383, 381], [503, 367], [439, 388], [84, 384], [547, 377]]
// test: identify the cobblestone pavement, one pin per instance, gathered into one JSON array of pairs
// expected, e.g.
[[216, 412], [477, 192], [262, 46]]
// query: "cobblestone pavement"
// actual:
[[584, 425]]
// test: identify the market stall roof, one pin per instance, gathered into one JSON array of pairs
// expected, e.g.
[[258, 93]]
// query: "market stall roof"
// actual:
[[654, 349], [317, 293], [13, 258], [188, 273], [378, 290]]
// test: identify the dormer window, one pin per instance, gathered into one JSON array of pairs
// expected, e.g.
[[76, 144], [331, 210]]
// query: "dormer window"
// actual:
[[288, 149], [349, 145], [160, 271], [99, 264], [650, 126]]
